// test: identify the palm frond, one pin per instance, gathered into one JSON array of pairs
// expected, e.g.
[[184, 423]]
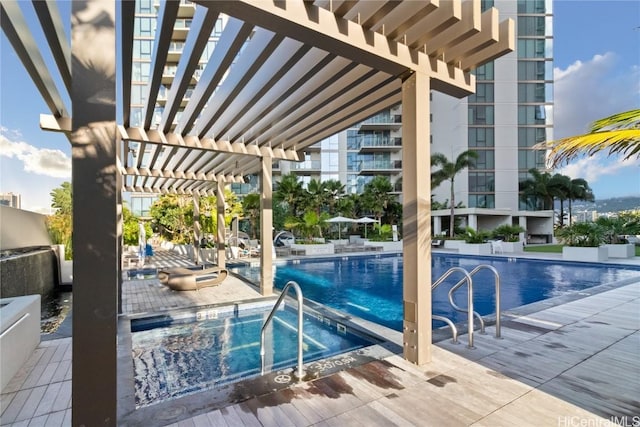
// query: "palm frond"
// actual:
[[625, 142], [626, 120]]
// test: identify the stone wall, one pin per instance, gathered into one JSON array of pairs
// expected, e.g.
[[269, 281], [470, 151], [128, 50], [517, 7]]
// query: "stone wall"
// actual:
[[29, 273]]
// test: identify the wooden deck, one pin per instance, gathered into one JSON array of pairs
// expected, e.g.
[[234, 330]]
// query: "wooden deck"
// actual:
[[574, 363]]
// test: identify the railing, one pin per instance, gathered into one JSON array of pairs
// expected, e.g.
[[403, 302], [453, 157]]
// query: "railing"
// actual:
[[469, 281], [296, 287], [497, 287]]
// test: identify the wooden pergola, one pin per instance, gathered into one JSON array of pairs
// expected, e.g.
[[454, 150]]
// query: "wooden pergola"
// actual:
[[283, 76]]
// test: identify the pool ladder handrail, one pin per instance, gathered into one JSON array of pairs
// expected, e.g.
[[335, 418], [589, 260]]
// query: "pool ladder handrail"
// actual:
[[296, 287], [497, 288], [467, 278]]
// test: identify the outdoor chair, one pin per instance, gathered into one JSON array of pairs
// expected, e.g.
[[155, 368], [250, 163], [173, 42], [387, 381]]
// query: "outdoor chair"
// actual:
[[496, 246], [184, 279]]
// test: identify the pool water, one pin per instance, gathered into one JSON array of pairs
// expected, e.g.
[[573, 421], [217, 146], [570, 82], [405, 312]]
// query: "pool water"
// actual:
[[175, 357], [371, 287]]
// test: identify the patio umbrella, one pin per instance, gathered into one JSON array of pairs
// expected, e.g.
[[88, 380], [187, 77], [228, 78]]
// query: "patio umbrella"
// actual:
[[339, 220], [365, 220]]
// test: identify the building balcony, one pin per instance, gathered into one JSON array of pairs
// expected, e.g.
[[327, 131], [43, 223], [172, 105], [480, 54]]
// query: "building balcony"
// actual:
[[382, 122], [307, 166], [381, 168], [382, 145]]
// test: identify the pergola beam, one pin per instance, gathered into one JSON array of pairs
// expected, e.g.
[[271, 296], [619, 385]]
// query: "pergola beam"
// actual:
[[25, 46], [166, 19], [190, 141], [53, 28]]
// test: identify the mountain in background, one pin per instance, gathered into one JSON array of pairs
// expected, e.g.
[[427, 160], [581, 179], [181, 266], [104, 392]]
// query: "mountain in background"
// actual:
[[615, 204]]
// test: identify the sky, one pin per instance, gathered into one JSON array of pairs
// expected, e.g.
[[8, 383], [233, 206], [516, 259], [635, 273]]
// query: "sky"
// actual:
[[596, 68]]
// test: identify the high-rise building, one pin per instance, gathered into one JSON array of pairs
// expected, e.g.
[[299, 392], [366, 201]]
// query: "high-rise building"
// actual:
[[12, 200], [510, 112]]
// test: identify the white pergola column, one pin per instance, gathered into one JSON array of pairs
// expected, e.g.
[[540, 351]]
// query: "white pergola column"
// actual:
[[266, 227], [220, 236], [437, 225], [473, 221], [416, 193], [96, 267], [197, 229], [522, 221]]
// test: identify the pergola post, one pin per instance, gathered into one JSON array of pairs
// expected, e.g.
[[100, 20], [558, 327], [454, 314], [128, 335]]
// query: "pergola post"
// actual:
[[266, 227], [96, 268], [416, 192], [220, 236], [197, 229]]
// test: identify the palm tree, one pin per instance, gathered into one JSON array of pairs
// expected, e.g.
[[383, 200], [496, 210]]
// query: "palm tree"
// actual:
[[335, 191], [251, 210], [579, 190], [560, 187], [448, 172], [620, 134], [315, 195], [289, 191], [537, 191], [376, 198]]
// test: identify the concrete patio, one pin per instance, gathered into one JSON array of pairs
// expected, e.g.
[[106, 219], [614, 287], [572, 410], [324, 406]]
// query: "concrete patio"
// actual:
[[560, 361]]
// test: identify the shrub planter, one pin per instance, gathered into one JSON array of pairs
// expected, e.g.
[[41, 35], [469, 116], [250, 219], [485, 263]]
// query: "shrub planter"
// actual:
[[319, 249], [453, 244], [588, 254], [625, 250], [512, 246], [475, 248], [386, 246]]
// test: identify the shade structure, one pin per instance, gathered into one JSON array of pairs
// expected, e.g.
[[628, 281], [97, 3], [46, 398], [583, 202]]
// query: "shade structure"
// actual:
[[340, 220], [366, 220]]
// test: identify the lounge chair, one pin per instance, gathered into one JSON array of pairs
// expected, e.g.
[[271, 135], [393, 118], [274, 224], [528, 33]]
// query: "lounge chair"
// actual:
[[184, 279]]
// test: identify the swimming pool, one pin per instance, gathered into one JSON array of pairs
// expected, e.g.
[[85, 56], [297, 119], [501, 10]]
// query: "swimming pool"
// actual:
[[371, 287], [183, 353]]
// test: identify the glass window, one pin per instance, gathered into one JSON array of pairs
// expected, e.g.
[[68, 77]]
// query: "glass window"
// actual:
[[486, 4], [142, 49], [144, 6], [484, 94], [531, 92], [484, 72], [528, 159], [532, 48], [532, 6], [352, 162], [144, 27], [480, 114], [353, 140], [531, 115], [482, 201], [535, 70], [480, 137], [485, 160], [530, 136], [531, 25], [137, 94], [481, 182], [140, 71]]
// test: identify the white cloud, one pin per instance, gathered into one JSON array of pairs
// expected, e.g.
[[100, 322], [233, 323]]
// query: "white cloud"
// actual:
[[591, 90], [41, 161], [598, 166]]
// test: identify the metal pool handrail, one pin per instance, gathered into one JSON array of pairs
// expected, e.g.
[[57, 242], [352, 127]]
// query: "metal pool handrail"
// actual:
[[296, 287], [469, 281], [497, 285]]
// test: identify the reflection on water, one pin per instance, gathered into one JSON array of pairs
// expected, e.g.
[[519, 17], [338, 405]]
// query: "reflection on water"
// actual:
[[371, 287]]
